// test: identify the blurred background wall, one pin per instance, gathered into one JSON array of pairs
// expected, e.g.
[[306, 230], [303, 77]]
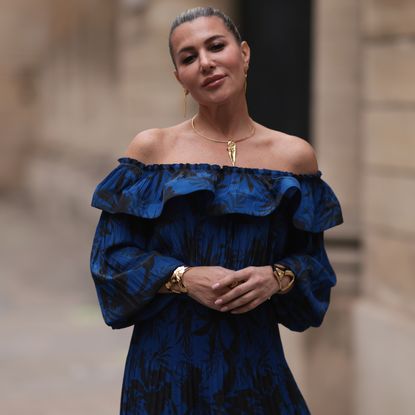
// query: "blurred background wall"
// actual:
[[79, 79]]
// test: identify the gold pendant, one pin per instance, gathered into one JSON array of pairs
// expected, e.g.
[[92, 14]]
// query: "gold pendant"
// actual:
[[232, 151]]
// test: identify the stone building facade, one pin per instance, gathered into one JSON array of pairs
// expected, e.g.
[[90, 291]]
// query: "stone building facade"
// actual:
[[81, 78]]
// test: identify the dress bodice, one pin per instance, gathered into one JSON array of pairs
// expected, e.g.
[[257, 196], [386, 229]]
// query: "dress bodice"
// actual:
[[205, 214]]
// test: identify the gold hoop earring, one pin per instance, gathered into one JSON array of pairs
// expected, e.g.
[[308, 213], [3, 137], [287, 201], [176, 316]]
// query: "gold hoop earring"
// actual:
[[246, 83], [186, 93]]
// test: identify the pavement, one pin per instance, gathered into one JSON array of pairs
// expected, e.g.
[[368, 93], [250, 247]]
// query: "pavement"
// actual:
[[57, 356]]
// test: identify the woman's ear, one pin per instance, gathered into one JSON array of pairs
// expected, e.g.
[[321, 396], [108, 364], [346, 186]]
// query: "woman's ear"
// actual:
[[177, 76], [246, 54]]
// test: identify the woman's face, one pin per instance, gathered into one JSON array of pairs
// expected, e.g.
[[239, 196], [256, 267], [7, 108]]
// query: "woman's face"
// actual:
[[210, 63]]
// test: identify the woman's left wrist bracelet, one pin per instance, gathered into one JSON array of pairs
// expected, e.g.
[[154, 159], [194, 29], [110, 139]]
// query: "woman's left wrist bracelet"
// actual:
[[280, 272], [175, 283]]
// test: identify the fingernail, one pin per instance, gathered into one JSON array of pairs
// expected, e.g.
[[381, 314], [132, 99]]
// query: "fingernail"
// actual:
[[224, 309], [219, 301], [215, 285]]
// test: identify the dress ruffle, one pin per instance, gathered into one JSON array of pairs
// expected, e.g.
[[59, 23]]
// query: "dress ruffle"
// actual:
[[143, 190]]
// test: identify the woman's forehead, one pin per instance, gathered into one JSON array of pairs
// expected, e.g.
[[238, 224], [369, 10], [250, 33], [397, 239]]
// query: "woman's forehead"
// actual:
[[198, 31]]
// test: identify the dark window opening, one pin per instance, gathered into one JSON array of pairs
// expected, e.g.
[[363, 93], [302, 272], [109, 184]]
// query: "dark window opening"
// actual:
[[279, 33]]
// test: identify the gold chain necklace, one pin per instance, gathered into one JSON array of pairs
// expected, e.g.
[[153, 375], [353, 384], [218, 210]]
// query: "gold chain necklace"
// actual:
[[230, 142]]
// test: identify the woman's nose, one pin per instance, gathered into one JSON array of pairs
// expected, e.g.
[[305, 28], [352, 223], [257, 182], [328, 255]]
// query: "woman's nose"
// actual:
[[205, 62]]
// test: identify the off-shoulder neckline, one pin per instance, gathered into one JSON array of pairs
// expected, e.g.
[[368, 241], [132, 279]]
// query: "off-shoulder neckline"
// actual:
[[213, 167]]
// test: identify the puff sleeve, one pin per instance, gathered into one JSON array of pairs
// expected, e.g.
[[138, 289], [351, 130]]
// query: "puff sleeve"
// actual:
[[307, 302], [305, 305], [127, 276], [126, 273]]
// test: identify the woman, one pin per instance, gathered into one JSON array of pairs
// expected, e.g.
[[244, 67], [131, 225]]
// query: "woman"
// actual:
[[205, 249]]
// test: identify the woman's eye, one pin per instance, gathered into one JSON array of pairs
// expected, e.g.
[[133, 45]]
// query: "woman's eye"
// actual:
[[188, 59], [217, 46]]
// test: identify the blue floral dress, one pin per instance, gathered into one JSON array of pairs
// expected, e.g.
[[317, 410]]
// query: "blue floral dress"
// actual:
[[185, 358]]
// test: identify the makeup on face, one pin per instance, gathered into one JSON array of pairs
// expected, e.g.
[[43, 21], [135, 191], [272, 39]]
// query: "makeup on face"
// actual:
[[208, 59]]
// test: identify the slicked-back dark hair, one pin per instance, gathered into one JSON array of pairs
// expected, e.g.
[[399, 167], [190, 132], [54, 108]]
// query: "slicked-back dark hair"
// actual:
[[192, 14]]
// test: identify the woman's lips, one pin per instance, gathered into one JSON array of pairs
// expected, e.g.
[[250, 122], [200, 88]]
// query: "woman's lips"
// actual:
[[214, 82]]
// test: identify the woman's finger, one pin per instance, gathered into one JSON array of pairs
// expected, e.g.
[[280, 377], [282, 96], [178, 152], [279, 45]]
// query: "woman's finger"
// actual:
[[226, 282], [233, 294], [239, 301], [248, 307], [233, 279]]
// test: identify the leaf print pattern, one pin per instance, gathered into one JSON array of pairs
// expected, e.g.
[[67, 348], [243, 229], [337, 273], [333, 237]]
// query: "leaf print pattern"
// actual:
[[185, 358]]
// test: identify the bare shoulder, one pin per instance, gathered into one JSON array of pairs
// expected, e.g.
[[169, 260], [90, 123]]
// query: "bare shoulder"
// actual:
[[302, 155], [147, 145], [144, 145], [153, 145], [298, 155]]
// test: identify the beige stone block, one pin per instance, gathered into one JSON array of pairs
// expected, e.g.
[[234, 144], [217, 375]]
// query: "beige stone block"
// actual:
[[345, 261], [389, 270], [12, 163], [384, 345], [389, 73], [389, 202], [294, 344], [23, 32], [16, 131], [329, 353], [324, 353], [336, 93], [61, 189], [390, 138], [164, 11], [10, 90], [336, 44], [388, 17], [79, 115]]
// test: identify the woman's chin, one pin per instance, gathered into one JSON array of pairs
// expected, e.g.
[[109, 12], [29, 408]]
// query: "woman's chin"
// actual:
[[217, 99]]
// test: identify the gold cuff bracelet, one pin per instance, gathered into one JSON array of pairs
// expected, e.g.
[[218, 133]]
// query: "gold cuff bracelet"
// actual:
[[280, 271]]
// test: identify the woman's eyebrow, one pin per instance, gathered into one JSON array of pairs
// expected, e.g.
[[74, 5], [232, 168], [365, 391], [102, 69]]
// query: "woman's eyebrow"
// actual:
[[209, 39]]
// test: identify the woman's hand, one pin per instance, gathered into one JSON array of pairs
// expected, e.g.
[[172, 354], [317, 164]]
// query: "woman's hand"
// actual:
[[255, 285], [199, 282]]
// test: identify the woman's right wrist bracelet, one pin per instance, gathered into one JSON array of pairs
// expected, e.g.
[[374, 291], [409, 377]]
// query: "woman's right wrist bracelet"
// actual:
[[175, 283]]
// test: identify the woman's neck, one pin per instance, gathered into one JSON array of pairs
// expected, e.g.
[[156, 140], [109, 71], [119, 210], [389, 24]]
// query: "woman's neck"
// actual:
[[230, 119]]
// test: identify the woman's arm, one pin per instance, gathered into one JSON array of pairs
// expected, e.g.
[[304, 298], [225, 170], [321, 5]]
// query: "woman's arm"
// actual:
[[305, 304], [127, 276]]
